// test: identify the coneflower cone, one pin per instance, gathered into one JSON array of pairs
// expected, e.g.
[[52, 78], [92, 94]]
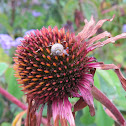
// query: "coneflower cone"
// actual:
[[51, 77]]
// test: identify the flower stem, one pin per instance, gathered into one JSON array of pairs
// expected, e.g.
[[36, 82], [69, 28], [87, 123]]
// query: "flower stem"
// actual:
[[98, 95], [18, 103], [13, 3], [12, 99]]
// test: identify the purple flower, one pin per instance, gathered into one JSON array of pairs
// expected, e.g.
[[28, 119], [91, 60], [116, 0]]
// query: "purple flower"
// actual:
[[24, 1], [124, 28], [6, 41], [36, 14], [29, 31], [17, 41], [46, 6]]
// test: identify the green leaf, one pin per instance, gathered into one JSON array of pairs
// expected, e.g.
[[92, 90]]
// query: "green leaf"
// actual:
[[44, 113], [69, 9], [77, 119], [4, 57], [120, 102], [1, 106], [96, 81], [5, 124], [102, 119], [3, 68], [5, 22], [87, 118], [13, 87], [105, 75], [111, 79], [89, 9]]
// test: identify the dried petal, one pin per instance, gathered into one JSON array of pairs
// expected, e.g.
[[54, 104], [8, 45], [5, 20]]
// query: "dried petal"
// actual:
[[90, 28], [98, 95], [103, 66]]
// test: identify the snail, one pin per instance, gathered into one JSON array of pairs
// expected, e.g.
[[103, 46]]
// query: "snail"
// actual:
[[58, 49]]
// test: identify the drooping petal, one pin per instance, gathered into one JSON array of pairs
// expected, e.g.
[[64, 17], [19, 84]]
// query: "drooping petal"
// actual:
[[99, 24], [98, 95], [98, 37], [92, 59], [109, 40], [63, 122], [55, 112], [109, 113], [121, 78], [101, 65], [49, 113], [75, 94], [61, 109], [87, 28], [88, 98], [80, 104], [68, 112], [90, 28], [89, 78], [39, 119]]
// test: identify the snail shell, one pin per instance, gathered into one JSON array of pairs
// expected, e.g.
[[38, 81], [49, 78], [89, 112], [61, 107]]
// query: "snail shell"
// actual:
[[58, 49]]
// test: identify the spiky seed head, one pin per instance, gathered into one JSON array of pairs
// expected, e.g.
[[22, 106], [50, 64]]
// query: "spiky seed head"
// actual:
[[47, 72]]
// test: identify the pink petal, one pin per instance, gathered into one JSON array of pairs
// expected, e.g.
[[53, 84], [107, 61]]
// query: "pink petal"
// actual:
[[101, 65], [88, 98], [62, 109], [91, 59], [40, 115], [88, 77], [75, 94]]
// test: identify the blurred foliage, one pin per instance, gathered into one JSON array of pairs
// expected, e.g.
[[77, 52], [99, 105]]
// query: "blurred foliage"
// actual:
[[58, 12]]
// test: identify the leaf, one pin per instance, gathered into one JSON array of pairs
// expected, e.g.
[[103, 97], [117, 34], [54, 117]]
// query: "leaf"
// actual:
[[4, 57], [5, 22], [120, 56], [120, 102], [87, 118], [69, 9], [5, 124], [77, 119], [111, 80], [89, 9], [107, 76], [3, 68], [17, 120], [102, 118], [13, 87], [44, 113], [96, 81], [1, 105]]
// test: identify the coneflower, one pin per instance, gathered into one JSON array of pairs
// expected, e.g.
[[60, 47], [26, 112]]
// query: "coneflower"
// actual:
[[53, 65]]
